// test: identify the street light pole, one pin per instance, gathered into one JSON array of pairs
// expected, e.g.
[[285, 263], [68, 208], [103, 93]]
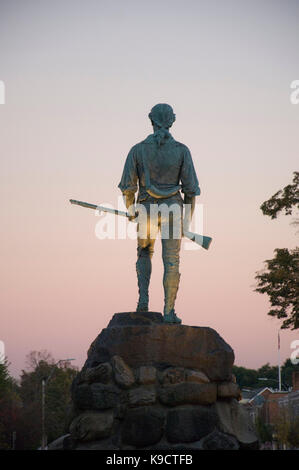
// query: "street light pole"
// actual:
[[45, 381], [279, 368], [43, 414]]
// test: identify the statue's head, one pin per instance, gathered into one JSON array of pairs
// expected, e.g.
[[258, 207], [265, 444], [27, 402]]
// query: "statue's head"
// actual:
[[162, 116]]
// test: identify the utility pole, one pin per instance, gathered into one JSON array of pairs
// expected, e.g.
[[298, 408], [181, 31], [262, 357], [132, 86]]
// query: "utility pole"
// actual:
[[279, 368], [43, 414]]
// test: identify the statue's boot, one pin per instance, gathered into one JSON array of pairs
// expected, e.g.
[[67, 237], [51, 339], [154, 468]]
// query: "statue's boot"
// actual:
[[171, 318], [171, 284], [144, 270]]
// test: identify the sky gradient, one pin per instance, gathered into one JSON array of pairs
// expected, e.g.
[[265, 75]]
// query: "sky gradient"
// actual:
[[81, 78]]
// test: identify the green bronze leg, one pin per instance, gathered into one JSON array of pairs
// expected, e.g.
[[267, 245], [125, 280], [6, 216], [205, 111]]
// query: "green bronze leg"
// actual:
[[171, 278], [144, 270]]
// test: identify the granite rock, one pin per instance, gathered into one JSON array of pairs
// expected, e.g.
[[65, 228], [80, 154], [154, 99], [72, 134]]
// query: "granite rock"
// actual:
[[82, 396], [173, 375], [228, 390], [143, 340], [104, 396], [145, 395], [138, 389], [196, 376], [147, 375], [219, 441], [91, 426], [143, 426], [101, 373], [189, 424], [123, 374], [188, 393], [234, 420]]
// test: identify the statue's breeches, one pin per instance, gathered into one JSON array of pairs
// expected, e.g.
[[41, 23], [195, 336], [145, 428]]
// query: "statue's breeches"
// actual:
[[171, 232]]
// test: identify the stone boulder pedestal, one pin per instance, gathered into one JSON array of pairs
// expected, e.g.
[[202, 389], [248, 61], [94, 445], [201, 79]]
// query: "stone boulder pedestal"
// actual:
[[151, 385]]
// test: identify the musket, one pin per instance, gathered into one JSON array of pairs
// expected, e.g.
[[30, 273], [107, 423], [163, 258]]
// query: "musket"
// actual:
[[201, 240]]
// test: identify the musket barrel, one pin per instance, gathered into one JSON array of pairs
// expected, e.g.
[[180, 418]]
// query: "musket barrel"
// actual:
[[83, 204], [99, 208]]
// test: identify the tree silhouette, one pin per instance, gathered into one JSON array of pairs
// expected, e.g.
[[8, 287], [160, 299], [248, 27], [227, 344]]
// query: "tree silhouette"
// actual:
[[280, 279]]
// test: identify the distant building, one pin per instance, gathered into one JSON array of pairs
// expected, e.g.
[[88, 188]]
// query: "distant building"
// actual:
[[267, 403], [291, 400]]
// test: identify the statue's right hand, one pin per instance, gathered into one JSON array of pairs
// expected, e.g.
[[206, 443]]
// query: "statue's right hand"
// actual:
[[132, 217]]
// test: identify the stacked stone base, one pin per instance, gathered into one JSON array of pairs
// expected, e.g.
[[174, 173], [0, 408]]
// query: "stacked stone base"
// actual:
[[150, 385]]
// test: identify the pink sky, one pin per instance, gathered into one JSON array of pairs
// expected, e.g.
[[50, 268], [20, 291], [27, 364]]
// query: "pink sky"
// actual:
[[80, 80]]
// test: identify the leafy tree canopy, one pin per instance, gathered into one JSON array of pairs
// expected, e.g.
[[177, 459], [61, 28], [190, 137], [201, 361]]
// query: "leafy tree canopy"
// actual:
[[10, 405], [280, 278], [280, 281], [286, 199], [250, 377], [41, 365]]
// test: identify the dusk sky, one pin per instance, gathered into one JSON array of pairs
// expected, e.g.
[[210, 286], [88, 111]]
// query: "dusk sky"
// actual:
[[80, 80]]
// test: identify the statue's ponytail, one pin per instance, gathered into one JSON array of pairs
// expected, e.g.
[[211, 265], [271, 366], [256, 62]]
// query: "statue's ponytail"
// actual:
[[163, 116], [161, 135]]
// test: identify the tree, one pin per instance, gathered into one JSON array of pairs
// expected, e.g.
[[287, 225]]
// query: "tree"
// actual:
[[286, 199], [10, 406], [282, 426], [5, 379], [287, 372], [35, 358], [246, 377], [279, 280], [41, 364], [250, 377], [264, 431], [268, 372], [293, 436]]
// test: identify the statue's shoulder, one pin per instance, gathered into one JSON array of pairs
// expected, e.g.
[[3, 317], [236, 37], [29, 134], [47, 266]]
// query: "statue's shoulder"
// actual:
[[181, 145], [139, 145], [182, 148], [148, 140], [134, 151]]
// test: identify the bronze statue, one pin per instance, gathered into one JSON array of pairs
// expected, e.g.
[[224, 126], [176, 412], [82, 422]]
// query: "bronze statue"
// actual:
[[160, 168]]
